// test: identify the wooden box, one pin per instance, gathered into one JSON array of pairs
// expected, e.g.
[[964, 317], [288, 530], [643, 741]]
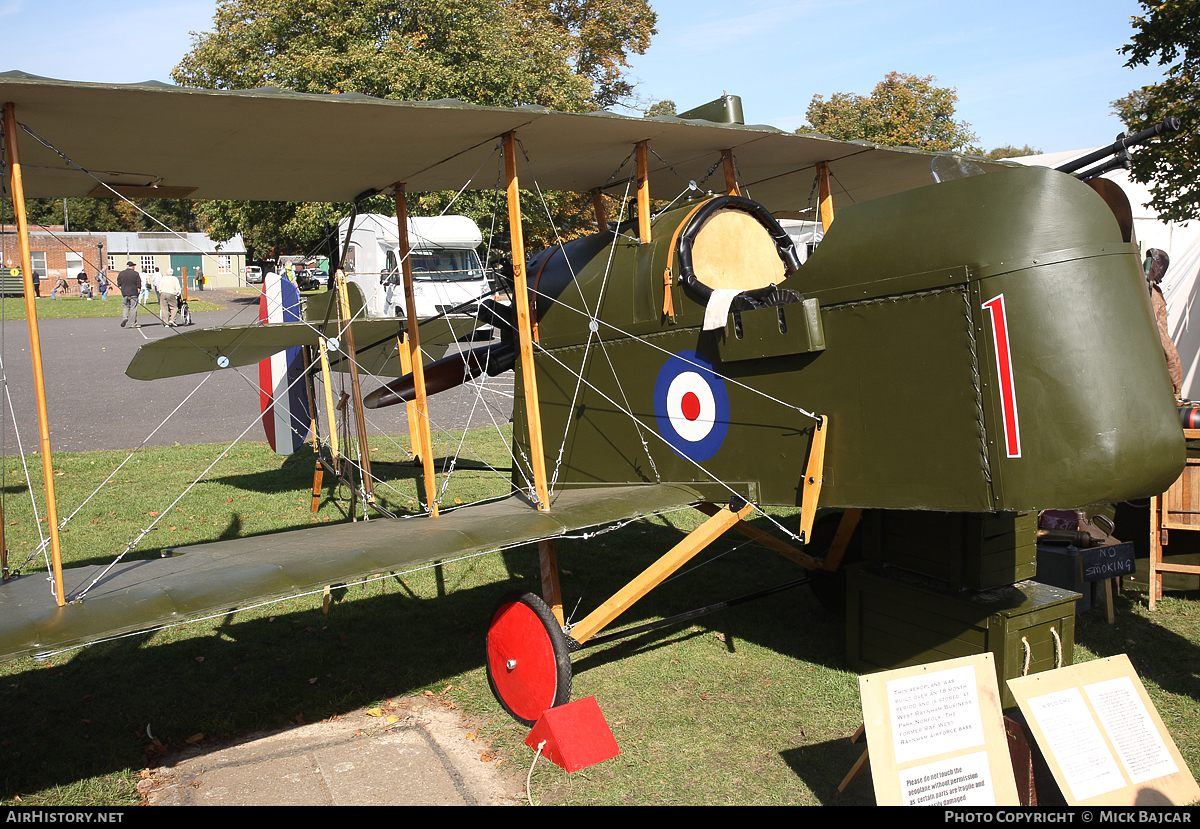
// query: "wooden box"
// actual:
[[978, 551], [896, 618]]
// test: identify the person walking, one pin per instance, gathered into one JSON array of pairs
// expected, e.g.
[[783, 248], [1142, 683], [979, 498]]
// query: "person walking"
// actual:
[[102, 284], [168, 297], [37, 284], [144, 291], [129, 282]]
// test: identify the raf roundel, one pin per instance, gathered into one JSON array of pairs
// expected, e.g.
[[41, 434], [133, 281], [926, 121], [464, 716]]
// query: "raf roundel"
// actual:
[[691, 406]]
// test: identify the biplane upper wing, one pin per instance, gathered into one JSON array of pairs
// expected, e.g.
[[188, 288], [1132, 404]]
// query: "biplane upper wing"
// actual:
[[219, 145], [208, 578]]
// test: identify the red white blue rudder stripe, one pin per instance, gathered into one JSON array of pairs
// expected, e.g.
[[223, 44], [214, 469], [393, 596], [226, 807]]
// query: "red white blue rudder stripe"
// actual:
[[285, 415], [691, 406]]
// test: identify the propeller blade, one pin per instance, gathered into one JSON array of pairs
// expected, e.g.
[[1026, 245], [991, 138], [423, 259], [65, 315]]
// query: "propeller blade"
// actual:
[[445, 374]]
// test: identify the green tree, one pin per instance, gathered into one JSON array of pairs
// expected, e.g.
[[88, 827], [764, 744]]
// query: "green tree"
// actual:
[[563, 54], [1012, 152], [107, 215], [665, 107], [903, 110], [1170, 32]]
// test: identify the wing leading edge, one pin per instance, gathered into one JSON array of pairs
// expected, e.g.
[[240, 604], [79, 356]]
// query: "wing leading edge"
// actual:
[[206, 578]]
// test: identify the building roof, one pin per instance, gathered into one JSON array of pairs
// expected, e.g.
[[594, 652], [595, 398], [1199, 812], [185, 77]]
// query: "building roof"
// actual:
[[149, 244]]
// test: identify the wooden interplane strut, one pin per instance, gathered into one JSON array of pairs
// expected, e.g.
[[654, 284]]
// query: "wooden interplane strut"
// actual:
[[347, 333], [731, 187], [825, 195], [35, 345], [643, 191], [413, 338], [533, 414]]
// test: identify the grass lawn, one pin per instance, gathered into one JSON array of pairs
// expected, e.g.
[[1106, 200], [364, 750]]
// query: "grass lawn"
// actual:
[[750, 705], [73, 307]]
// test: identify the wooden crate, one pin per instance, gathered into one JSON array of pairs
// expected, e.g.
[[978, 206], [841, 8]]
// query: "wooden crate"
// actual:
[[978, 551], [1176, 509], [896, 618]]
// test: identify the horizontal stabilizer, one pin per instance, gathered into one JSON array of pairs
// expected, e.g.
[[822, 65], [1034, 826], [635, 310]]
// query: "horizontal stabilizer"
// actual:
[[222, 576], [199, 351]]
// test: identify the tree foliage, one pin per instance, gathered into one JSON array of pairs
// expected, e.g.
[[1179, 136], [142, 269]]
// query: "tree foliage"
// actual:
[[1012, 152], [106, 215], [563, 54], [902, 110], [1170, 32], [664, 107]]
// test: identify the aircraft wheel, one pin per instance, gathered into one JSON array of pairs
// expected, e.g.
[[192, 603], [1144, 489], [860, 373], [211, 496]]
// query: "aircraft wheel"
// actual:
[[528, 665]]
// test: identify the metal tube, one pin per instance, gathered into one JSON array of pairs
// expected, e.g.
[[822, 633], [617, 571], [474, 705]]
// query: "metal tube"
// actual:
[[1169, 124]]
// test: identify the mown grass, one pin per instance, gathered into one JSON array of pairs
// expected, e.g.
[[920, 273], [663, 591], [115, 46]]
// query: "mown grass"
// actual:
[[751, 705], [73, 307]]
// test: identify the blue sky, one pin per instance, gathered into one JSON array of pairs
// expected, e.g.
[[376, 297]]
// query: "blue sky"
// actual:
[[1038, 73]]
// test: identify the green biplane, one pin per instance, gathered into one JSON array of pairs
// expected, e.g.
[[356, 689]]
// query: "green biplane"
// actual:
[[956, 345]]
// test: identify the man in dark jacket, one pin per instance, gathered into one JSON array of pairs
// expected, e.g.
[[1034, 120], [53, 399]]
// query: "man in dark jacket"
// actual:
[[129, 281]]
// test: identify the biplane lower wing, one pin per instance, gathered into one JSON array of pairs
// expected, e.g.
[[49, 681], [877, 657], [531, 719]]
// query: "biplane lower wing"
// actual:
[[222, 576]]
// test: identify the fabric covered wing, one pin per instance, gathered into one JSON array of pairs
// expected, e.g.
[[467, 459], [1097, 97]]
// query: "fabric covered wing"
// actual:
[[208, 578]]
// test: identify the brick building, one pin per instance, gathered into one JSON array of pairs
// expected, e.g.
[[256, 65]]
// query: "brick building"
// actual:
[[55, 253]]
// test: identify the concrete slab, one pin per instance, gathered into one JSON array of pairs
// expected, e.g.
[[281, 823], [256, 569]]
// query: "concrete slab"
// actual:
[[426, 756]]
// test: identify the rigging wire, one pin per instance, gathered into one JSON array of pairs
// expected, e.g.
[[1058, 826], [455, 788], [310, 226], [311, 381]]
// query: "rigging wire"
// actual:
[[594, 330]]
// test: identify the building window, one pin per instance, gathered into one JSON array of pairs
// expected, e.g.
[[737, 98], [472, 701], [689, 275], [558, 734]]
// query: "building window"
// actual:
[[224, 264], [112, 263], [147, 264], [38, 262]]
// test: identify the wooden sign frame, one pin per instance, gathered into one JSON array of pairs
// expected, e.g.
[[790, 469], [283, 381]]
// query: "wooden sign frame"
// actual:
[[1107, 745], [936, 735]]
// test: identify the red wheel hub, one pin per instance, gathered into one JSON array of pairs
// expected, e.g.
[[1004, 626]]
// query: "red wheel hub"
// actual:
[[521, 658]]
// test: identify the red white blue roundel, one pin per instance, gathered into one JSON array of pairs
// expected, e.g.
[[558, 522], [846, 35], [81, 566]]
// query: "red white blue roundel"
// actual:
[[691, 406]]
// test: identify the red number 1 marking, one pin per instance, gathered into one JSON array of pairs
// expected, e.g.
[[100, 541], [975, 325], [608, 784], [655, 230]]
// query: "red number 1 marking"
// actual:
[[1008, 395]]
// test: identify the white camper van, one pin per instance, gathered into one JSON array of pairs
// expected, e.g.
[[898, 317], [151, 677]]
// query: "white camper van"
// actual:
[[447, 273]]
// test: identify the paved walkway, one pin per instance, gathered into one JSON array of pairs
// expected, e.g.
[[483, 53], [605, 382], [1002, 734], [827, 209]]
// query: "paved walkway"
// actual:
[[93, 405], [418, 752]]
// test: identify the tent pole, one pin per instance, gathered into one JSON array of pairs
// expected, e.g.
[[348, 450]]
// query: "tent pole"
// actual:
[[413, 339], [35, 345]]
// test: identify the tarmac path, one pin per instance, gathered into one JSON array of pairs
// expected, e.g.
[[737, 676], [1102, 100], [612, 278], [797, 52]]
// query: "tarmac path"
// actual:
[[93, 405]]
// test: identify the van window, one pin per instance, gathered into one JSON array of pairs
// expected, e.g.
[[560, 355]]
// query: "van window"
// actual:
[[447, 265]]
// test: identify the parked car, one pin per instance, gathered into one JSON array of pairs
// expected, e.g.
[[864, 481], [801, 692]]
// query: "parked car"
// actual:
[[312, 279], [253, 274]]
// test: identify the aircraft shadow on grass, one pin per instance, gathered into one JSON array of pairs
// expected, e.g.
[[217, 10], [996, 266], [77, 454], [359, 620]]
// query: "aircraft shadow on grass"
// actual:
[[255, 674]]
